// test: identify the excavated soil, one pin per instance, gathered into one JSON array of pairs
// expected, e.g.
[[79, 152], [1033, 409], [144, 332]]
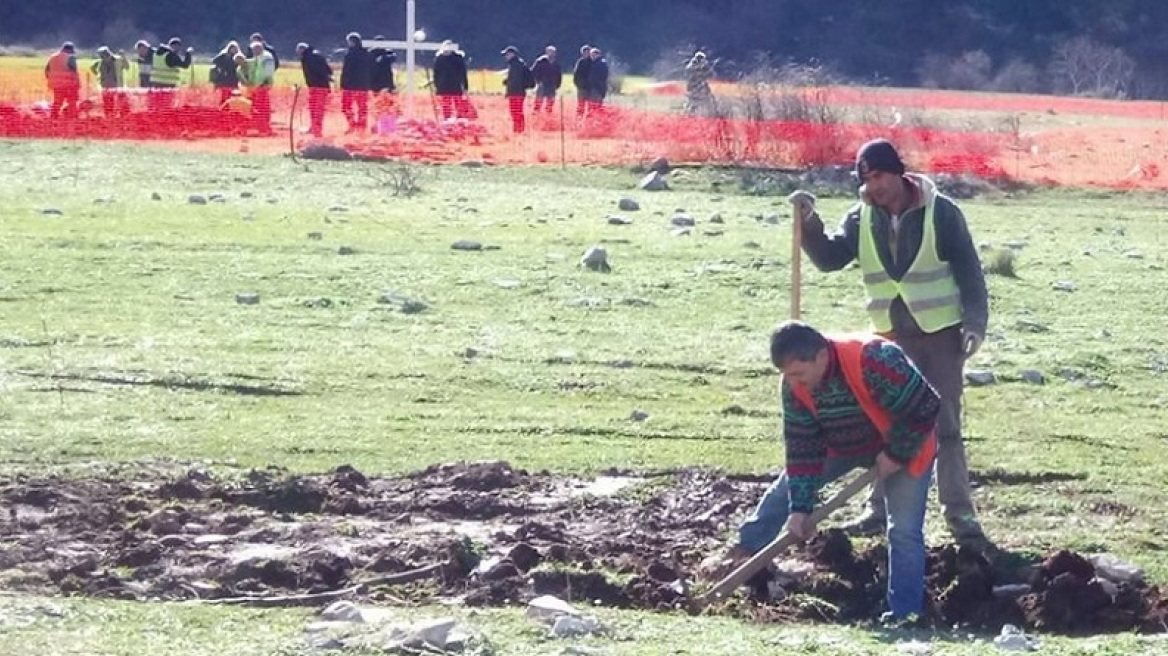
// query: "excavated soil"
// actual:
[[502, 536]]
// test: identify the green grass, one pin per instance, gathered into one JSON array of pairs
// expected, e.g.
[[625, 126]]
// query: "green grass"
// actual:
[[144, 291]]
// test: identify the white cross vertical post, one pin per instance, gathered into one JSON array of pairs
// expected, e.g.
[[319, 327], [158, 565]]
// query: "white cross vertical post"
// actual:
[[415, 41]]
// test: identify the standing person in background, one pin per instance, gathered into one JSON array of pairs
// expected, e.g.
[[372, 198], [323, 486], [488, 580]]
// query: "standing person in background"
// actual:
[[450, 79], [549, 75], [145, 61], [261, 75], [224, 72], [580, 79], [169, 61], [110, 70], [356, 79], [383, 61], [597, 80], [64, 81], [318, 77], [268, 47], [519, 80]]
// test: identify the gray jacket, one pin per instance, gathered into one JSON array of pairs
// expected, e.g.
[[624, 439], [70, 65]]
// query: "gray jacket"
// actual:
[[832, 252]]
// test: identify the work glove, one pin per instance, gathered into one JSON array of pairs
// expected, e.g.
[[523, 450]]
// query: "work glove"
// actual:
[[970, 342], [803, 203]]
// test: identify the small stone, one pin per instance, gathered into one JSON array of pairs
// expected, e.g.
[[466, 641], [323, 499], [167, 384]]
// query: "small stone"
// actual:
[[52, 211], [622, 364], [528, 208], [683, 221], [753, 245], [985, 246], [616, 219], [712, 233], [247, 298], [338, 208], [155, 196], [979, 378], [596, 259], [639, 415], [346, 250], [508, 283], [104, 200], [315, 236], [654, 181], [217, 198], [1031, 326], [1096, 383], [771, 218], [660, 165], [246, 194], [1156, 267], [637, 302], [466, 245], [1015, 245], [681, 232], [1134, 255], [1069, 374], [1063, 286], [173, 541], [628, 205], [492, 247], [588, 302], [1033, 376], [716, 218], [197, 199], [413, 306], [322, 302], [472, 163], [342, 611]]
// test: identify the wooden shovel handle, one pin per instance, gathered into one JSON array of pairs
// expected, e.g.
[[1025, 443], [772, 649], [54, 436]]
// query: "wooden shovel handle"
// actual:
[[784, 540], [796, 267]]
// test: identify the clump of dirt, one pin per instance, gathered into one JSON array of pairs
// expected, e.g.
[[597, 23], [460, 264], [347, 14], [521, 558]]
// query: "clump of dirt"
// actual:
[[490, 534]]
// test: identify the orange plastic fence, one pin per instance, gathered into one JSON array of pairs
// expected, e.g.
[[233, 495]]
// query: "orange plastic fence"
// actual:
[[1092, 142]]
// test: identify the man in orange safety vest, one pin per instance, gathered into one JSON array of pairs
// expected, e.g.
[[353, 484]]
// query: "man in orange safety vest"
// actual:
[[64, 81]]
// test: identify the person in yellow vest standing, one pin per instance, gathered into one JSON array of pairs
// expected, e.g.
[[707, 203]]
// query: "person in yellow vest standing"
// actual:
[[167, 65], [64, 81], [848, 403], [926, 291], [260, 75], [110, 69]]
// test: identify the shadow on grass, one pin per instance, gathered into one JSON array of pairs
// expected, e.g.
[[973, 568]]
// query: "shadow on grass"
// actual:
[[164, 383], [1003, 477]]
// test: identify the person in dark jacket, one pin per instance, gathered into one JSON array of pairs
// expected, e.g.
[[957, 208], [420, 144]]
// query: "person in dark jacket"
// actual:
[[580, 79], [267, 46], [318, 77], [356, 80], [450, 79], [597, 80], [383, 61], [549, 75], [224, 72], [169, 61], [145, 61], [519, 80]]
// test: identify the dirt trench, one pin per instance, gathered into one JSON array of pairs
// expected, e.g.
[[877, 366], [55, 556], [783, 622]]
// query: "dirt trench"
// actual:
[[503, 536]]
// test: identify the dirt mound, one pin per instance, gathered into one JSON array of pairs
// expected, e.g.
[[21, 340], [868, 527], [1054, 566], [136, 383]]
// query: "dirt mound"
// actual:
[[490, 534]]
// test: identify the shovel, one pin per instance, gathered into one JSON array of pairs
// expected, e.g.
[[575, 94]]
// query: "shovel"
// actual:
[[760, 560]]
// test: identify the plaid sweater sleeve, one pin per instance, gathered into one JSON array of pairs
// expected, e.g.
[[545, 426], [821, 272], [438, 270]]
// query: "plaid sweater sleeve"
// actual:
[[899, 387], [806, 452]]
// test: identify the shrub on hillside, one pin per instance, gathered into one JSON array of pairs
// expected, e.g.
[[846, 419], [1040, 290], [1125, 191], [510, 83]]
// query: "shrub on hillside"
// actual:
[[969, 71]]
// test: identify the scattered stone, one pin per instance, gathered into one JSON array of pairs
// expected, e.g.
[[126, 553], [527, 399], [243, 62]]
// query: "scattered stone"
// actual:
[[616, 219], [588, 302], [404, 304], [346, 250], [472, 163], [315, 236], [466, 245], [712, 233], [104, 200], [716, 218], [637, 302], [326, 152], [654, 181], [524, 556], [639, 415], [628, 205], [753, 245], [1015, 245], [155, 196], [660, 165], [1097, 383], [985, 246], [1156, 267], [1063, 286], [1033, 376], [528, 208], [681, 232], [508, 283], [318, 303], [596, 259], [562, 357], [52, 211], [1031, 326], [197, 199], [622, 364], [338, 208], [1134, 255], [1069, 374], [979, 378], [246, 194], [683, 221], [247, 298], [342, 611], [492, 247], [217, 198]]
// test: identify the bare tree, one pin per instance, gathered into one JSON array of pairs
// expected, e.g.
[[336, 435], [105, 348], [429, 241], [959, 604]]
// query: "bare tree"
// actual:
[[1082, 65]]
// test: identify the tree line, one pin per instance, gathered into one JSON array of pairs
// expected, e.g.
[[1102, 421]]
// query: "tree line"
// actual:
[[1073, 46]]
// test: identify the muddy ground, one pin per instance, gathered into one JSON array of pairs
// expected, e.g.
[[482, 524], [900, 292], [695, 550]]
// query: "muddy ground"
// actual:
[[502, 536]]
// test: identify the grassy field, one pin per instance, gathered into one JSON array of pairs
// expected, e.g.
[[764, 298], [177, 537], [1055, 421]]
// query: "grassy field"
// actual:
[[123, 346]]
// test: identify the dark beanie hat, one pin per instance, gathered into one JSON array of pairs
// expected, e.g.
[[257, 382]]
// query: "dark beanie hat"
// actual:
[[878, 155]]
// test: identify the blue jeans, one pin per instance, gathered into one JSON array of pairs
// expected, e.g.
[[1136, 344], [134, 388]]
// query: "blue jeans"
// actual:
[[905, 498]]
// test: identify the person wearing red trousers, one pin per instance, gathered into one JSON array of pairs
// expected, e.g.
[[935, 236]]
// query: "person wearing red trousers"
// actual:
[[318, 77]]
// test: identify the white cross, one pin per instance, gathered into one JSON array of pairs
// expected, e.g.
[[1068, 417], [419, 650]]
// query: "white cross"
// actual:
[[415, 41]]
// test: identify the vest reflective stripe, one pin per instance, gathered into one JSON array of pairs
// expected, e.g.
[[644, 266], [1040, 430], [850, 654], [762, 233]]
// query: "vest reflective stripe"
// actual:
[[928, 288], [161, 73], [59, 75], [849, 354]]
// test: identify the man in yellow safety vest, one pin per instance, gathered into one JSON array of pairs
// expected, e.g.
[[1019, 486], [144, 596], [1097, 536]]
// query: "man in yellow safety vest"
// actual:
[[926, 291], [168, 63]]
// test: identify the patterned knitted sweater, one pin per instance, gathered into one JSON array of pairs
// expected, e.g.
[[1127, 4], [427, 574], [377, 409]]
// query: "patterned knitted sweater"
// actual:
[[843, 429]]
